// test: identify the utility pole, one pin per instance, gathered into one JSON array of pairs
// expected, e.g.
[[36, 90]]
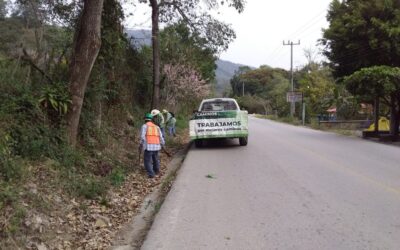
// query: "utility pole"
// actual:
[[242, 88], [292, 104]]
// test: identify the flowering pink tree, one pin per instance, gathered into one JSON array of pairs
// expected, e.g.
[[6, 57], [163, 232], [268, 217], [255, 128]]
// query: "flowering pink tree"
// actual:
[[183, 86]]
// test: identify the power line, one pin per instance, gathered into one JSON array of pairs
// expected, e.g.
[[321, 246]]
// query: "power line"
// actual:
[[312, 22]]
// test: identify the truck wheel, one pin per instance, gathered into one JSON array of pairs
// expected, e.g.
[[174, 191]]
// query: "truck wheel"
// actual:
[[198, 143], [243, 141]]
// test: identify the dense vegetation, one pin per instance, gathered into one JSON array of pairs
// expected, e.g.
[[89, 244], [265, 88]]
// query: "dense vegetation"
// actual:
[[263, 90], [364, 39], [43, 84]]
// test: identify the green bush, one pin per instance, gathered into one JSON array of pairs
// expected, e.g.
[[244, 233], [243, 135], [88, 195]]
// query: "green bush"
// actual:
[[68, 157], [90, 187], [8, 195], [16, 220], [11, 169], [181, 123], [117, 176], [35, 141], [253, 104], [54, 100]]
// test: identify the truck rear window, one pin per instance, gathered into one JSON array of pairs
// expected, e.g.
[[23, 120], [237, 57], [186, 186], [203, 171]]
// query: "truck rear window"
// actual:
[[219, 106]]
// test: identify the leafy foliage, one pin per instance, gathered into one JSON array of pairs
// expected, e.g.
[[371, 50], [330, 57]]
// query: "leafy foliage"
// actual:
[[363, 45], [318, 86], [55, 98], [216, 34], [374, 81], [179, 45], [379, 81], [3, 9], [268, 86], [362, 33]]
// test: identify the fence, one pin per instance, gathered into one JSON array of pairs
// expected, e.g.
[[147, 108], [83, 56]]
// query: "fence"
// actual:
[[345, 124]]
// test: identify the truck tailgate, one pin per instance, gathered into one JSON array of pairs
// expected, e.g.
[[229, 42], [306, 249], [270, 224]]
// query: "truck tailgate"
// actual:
[[220, 124]]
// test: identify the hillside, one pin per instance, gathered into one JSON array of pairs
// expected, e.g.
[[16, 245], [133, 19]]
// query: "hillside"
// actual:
[[224, 73]]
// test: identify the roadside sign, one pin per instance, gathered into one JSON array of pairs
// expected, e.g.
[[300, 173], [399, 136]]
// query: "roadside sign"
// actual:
[[294, 96]]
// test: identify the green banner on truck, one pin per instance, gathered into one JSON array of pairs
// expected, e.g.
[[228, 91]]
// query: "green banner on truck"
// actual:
[[219, 124]]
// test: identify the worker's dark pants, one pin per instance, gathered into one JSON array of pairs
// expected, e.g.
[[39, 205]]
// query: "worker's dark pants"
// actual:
[[172, 130], [163, 132], [151, 163]]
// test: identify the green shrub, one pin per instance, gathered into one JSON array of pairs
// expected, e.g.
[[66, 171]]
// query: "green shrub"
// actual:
[[181, 123], [253, 104], [35, 141], [90, 187], [69, 157], [16, 220], [11, 169], [8, 194], [117, 176]]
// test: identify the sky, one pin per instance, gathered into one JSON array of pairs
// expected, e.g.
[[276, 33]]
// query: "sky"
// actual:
[[262, 28]]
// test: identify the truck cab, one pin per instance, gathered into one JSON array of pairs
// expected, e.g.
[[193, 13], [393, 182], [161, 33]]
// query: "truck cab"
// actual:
[[219, 104]]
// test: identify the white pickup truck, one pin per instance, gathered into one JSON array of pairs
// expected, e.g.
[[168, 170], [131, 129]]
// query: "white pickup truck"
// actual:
[[219, 118]]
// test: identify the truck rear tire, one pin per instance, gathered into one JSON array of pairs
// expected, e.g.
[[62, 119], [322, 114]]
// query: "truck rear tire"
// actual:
[[198, 143], [243, 141]]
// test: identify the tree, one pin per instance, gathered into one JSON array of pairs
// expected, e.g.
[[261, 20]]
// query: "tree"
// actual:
[[362, 33], [379, 81], [266, 85], [237, 82], [183, 84], [185, 58], [179, 45], [217, 34], [3, 9], [86, 49], [317, 85]]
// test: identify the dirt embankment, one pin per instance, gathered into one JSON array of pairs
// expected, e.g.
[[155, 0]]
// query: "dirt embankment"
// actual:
[[51, 218]]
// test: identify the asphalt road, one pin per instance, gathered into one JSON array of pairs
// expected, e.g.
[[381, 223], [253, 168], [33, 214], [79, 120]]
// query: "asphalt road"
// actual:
[[290, 188]]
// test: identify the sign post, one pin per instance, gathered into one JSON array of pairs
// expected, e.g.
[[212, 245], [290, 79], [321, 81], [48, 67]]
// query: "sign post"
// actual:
[[294, 96]]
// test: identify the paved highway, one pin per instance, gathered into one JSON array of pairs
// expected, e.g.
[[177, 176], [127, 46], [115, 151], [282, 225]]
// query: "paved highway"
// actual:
[[290, 188]]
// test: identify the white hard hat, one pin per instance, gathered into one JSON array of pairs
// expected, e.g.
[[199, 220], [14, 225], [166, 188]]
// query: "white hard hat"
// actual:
[[155, 112]]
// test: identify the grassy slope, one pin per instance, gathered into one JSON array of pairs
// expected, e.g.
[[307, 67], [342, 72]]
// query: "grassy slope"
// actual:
[[79, 206]]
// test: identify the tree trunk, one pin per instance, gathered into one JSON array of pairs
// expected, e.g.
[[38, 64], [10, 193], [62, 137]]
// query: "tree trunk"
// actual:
[[155, 102], [86, 48], [394, 116], [397, 121], [376, 114]]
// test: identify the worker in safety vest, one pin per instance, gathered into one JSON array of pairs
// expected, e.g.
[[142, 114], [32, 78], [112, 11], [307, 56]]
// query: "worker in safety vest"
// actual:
[[151, 141]]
